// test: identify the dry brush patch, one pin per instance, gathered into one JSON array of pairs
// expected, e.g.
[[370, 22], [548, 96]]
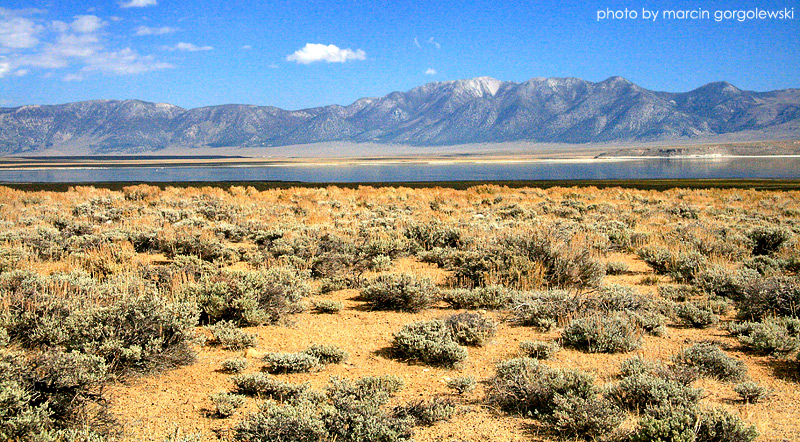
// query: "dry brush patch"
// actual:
[[138, 280]]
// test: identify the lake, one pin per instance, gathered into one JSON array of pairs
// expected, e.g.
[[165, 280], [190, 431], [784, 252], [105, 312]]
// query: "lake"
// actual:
[[617, 169]]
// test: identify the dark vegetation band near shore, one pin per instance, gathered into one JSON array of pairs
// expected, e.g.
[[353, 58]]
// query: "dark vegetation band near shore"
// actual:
[[655, 184]]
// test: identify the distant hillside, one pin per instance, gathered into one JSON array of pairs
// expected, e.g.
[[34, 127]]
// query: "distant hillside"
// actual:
[[480, 110]]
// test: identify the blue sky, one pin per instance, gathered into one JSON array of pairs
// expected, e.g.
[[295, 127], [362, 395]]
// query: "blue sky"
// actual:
[[295, 54]]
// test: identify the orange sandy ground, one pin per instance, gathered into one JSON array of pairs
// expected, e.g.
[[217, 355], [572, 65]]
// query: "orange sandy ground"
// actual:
[[177, 402]]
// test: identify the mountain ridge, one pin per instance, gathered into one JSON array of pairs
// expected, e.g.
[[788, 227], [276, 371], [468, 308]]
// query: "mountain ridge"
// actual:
[[479, 110]]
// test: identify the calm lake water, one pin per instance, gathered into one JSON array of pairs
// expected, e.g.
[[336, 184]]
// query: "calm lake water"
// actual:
[[647, 168]]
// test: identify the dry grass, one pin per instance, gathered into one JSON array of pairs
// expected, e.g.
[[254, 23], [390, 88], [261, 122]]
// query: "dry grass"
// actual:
[[149, 407]]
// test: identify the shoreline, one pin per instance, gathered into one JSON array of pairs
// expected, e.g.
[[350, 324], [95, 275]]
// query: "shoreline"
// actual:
[[30, 164]]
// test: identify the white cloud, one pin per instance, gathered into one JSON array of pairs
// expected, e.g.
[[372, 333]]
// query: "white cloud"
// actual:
[[123, 62], [430, 71], [246, 47], [86, 24], [435, 43], [17, 32], [146, 30], [416, 43], [5, 66], [138, 3], [188, 47], [28, 43], [313, 52]]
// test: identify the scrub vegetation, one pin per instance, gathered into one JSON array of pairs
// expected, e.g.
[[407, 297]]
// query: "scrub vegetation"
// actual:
[[398, 314]]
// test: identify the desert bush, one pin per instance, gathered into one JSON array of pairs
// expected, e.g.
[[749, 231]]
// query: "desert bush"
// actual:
[[357, 412], [327, 354], [688, 424], [426, 412], [430, 342], [712, 362], [676, 293], [751, 393], [639, 391], [290, 362], [431, 235], [725, 282], [545, 309], [767, 337], [462, 384], [139, 333], [767, 240], [248, 298], [228, 336], [770, 296], [48, 392], [226, 403], [616, 268], [539, 349], [264, 385], [586, 418], [603, 334], [273, 423], [718, 424], [399, 292], [471, 329], [657, 257], [236, 365], [328, 306], [529, 388], [491, 297], [696, 317], [638, 365]]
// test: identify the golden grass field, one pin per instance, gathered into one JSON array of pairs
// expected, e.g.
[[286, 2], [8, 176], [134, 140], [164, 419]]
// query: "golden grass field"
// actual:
[[174, 404]]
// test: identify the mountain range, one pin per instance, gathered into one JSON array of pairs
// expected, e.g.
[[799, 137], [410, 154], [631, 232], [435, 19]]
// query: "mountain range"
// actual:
[[479, 110]]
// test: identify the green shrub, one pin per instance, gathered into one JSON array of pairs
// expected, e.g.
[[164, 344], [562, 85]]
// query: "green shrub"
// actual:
[[327, 354], [226, 403], [587, 418], [751, 393], [767, 240], [695, 317], [462, 384], [290, 362], [328, 306], [236, 365], [769, 337], [273, 423], [770, 296], [264, 385], [545, 309], [228, 336], [139, 333], [49, 392], [678, 373], [491, 297], [639, 391], [603, 334], [717, 425], [399, 292], [659, 258], [471, 329], [539, 349], [427, 412], [431, 342], [685, 424], [712, 362], [724, 282], [616, 268], [248, 298], [529, 388]]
